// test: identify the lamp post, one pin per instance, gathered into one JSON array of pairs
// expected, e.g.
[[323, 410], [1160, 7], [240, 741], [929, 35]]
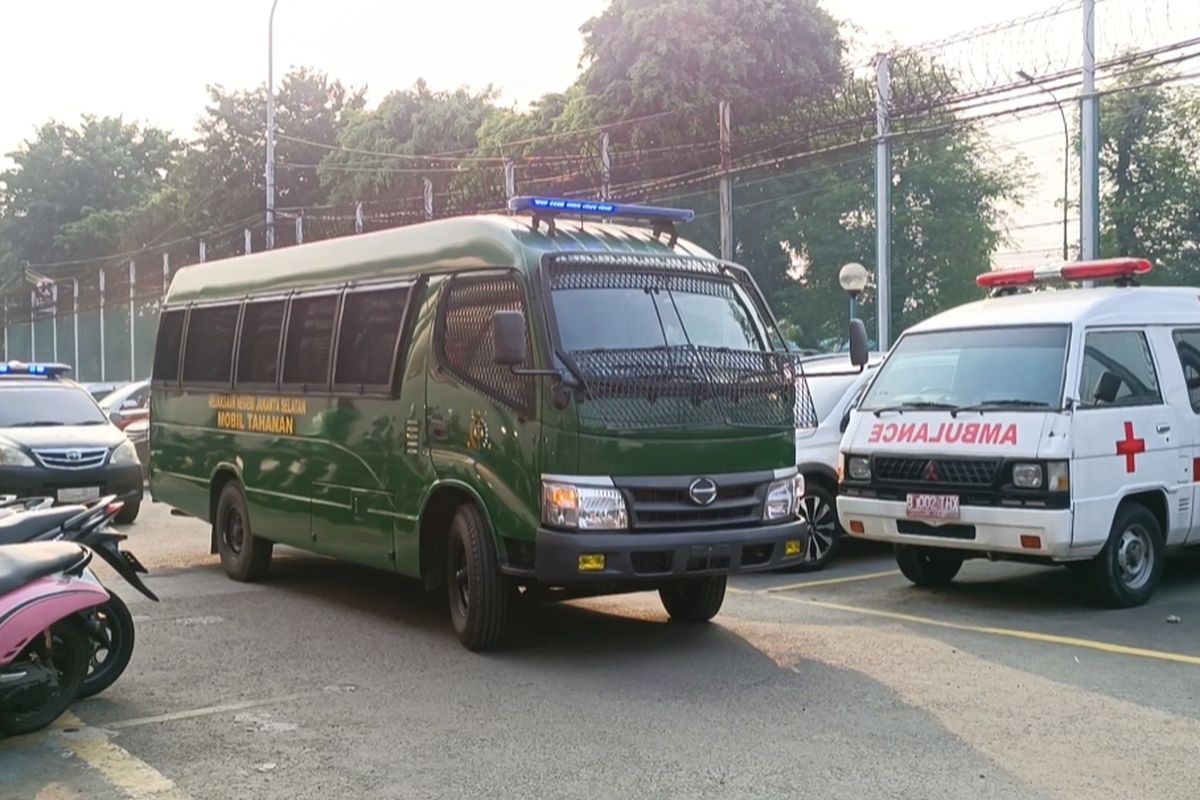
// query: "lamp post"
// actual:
[[1025, 76], [271, 126], [853, 279]]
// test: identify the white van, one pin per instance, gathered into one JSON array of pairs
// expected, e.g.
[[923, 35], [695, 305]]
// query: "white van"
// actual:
[[1050, 426]]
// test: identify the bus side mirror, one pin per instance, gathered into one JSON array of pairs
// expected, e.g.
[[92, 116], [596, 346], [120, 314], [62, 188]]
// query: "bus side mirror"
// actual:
[[859, 348], [509, 342]]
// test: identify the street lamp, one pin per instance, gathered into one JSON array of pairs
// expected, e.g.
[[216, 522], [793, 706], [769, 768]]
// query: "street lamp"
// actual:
[[271, 127], [853, 278], [1025, 76]]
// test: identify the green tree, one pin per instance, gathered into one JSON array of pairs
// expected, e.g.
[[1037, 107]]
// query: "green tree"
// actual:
[[65, 173], [1150, 174]]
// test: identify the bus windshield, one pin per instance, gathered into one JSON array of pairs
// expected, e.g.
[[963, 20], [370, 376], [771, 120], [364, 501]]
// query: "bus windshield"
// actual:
[[710, 314], [1003, 367]]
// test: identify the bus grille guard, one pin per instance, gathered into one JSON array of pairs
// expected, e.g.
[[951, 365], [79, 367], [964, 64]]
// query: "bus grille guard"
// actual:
[[689, 385]]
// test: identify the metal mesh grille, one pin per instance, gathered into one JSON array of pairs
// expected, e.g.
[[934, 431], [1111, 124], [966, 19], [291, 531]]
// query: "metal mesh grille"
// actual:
[[588, 278], [626, 262], [465, 338], [965, 472], [689, 385]]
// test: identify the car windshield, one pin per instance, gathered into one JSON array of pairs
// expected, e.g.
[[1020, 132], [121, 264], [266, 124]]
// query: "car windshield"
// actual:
[[715, 314], [828, 390], [36, 406], [1003, 367]]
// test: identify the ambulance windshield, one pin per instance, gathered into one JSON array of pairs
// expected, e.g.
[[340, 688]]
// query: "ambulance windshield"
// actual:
[[980, 368]]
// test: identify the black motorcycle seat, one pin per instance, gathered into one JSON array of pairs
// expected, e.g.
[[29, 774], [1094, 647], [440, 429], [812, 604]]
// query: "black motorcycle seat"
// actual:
[[23, 563], [26, 525]]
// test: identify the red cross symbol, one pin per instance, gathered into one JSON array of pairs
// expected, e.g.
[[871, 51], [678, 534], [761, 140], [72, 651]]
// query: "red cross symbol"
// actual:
[[1130, 447]]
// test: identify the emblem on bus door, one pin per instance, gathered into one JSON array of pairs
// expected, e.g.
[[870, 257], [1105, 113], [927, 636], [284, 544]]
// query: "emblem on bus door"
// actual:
[[1130, 448], [703, 491]]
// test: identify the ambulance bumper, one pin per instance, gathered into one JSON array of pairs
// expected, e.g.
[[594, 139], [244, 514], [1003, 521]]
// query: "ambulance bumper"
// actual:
[[983, 529]]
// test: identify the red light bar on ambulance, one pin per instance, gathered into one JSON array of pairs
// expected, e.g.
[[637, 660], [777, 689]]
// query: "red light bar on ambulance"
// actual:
[[1119, 268]]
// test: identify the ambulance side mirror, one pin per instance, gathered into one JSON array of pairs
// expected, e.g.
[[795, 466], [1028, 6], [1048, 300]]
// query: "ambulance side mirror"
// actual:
[[1108, 388], [859, 348]]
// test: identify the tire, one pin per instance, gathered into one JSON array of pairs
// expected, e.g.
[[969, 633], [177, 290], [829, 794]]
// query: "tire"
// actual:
[[1127, 571], [128, 513], [244, 556], [479, 593], [825, 533], [69, 654], [927, 566], [693, 599], [110, 632]]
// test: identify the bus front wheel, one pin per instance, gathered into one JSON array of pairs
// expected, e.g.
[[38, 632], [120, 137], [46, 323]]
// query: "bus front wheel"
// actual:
[[478, 592], [244, 556]]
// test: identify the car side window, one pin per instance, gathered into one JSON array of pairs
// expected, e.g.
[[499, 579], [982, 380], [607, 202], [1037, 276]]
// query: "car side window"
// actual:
[[1118, 370], [1187, 347]]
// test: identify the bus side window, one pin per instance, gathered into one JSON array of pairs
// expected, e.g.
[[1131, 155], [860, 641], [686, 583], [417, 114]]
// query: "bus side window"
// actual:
[[208, 353], [309, 340], [370, 331], [258, 350], [167, 347]]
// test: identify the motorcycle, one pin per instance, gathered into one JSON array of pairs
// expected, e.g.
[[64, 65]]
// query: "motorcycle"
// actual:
[[110, 625], [44, 647]]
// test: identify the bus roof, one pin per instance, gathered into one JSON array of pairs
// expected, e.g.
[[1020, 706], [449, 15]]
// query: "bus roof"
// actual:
[[459, 242]]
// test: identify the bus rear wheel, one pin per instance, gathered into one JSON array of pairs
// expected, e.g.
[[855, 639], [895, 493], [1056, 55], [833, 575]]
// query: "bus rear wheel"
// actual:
[[478, 592], [244, 556]]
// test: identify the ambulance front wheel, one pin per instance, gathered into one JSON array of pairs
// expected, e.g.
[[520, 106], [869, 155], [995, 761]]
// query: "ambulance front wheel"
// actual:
[[927, 566], [1127, 570]]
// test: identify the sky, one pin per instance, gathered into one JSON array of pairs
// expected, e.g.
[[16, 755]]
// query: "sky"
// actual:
[[150, 60]]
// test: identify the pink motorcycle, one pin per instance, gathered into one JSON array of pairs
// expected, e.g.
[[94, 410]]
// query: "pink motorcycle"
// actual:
[[44, 644]]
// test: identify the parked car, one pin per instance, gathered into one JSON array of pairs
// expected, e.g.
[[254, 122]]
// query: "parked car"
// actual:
[[138, 432], [127, 404], [99, 391], [833, 384]]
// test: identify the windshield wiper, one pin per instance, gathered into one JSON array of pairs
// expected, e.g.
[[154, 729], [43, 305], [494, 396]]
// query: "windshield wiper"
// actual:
[[1000, 404], [916, 405], [36, 423]]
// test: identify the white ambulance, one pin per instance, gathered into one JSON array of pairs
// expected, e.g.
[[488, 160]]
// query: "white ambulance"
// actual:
[[1055, 426]]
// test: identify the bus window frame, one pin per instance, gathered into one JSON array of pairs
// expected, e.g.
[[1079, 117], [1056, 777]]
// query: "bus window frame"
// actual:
[[253, 387], [177, 381], [300, 387], [227, 385], [392, 387]]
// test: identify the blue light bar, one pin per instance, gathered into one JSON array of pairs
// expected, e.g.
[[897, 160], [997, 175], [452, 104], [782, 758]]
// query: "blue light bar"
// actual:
[[43, 370], [546, 206]]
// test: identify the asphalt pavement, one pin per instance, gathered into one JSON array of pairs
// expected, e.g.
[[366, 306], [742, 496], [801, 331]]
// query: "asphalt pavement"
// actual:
[[330, 680]]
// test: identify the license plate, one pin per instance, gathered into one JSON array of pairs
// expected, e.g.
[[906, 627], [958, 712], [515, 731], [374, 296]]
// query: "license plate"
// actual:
[[78, 494], [933, 506]]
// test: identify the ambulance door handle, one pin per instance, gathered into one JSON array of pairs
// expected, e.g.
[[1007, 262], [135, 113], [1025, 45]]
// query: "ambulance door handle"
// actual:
[[1163, 427]]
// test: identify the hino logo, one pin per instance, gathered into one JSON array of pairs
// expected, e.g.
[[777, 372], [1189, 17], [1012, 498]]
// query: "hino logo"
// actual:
[[703, 491], [74, 455]]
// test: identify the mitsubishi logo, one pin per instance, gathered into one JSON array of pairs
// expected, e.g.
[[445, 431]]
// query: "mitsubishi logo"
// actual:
[[74, 455], [703, 491], [931, 472]]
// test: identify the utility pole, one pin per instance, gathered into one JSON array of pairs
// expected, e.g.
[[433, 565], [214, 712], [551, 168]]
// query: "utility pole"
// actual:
[[883, 200], [270, 128], [1089, 206], [726, 185]]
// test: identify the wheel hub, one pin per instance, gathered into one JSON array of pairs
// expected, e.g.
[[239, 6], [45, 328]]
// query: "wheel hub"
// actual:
[[1135, 557]]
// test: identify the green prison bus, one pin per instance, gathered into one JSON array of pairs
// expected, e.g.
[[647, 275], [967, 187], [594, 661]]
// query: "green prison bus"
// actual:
[[544, 403]]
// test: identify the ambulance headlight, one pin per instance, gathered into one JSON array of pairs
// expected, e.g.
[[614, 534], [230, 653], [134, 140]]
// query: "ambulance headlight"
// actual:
[[1058, 476], [858, 468], [1027, 476]]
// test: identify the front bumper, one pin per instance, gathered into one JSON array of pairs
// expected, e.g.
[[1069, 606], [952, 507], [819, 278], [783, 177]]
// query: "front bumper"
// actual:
[[652, 557], [123, 480], [997, 529]]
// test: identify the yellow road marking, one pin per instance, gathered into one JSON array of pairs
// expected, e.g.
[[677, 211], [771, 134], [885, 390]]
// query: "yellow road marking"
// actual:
[[1013, 633], [118, 766], [866, 576]]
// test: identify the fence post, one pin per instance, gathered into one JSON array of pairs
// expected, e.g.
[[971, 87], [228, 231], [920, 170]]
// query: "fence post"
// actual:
[[726, 184], [510, 180], [605, 169], [103, 375], [54, 321], [75, 325], [358, 217], [203, 251], [166, 274], [883, 200], [132, 322], [300, 228], [33, 324], [4, 309], [428, 199], [249, 240]]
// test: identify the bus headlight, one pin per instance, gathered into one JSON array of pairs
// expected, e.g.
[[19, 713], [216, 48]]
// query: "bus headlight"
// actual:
[[1027, 476], [586, 508], [783, 498]]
